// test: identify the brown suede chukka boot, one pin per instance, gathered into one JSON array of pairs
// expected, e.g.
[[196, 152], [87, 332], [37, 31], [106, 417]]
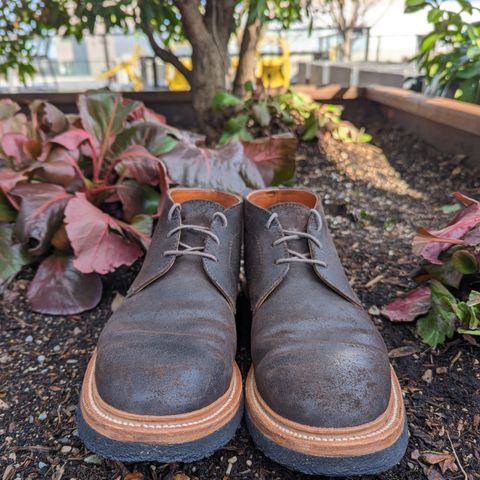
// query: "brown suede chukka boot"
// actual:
[[163, 383], [321, 396]]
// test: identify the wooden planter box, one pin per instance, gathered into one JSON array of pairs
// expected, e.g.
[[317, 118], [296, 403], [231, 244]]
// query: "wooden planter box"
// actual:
[[448, 124]]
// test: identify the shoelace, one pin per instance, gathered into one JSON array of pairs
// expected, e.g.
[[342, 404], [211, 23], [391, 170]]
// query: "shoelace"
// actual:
[[188, 249], [296, 235]]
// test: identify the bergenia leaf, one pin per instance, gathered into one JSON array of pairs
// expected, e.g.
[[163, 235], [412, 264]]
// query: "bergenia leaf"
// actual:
[[10, 120], [15, 147], [58, 288], [408, 308], [147, 115], [155, 138], [137, 163], [430, 244], [472, 238], [138, 199], [225, 168], [49, 119], [445, 273], [13, 256], [97, 238], [104, 115], [8, 108], [467, 201], [71, 139], [274, 157], [41, 213]]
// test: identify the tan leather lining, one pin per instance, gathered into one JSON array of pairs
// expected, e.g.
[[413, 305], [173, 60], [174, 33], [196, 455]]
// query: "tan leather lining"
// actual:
[[181, 195], [330, 442], [128, 427], [268, 198]]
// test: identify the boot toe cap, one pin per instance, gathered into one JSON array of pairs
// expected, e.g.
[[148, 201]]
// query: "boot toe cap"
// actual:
[[338, 388], [157, 381]]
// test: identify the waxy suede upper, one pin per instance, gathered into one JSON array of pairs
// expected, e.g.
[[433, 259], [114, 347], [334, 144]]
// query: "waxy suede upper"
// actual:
[[318, 359], [170, 347]]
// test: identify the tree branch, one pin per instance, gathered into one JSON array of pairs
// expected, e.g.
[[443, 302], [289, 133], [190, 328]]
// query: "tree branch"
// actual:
[[165, 54], [193, 24]]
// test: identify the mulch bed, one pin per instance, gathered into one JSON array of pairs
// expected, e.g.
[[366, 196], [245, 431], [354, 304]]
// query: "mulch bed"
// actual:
[[374, 197]]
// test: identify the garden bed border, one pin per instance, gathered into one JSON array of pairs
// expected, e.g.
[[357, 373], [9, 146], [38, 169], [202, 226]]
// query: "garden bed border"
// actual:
[[448, 124]]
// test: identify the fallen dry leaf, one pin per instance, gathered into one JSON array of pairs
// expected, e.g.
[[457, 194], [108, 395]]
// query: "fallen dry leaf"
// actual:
[[427, 376], [134, 476], [180, 476], [117, 301], [403, 351]]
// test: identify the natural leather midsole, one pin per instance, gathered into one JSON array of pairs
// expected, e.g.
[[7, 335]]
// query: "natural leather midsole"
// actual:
[[168, 429], [370, 437]]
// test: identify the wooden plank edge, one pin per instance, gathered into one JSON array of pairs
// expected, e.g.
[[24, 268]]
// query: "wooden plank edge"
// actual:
[[331, 92], [453, 113]]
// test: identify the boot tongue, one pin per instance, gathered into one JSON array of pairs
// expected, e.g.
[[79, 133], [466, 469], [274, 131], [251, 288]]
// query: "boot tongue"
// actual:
[[293, 216], [200, 213]]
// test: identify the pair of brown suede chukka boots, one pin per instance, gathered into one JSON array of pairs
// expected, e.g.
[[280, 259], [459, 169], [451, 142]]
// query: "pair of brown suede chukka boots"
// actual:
[[321, 396]]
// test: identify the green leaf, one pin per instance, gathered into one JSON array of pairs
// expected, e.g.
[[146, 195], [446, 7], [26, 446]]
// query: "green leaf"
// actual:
[[310, 128], [13, 256], [464, 262], [7, 212], [138, 198], [473, 298], [414, 5], [223, 99], [249, 87], [453, 208], [445, 273], [261, 114], [429, 42], [143, 223], [439, 323], [157, 139], [468, 332], [236, 129], [434, 15], [104, 114]]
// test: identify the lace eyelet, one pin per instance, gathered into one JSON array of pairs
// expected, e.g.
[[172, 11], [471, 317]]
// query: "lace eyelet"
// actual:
[[222, 217], [175, 206]]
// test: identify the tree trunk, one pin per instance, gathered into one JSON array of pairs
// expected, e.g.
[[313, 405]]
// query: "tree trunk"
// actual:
[[346, 47], [247, 56], [208, 76], [208, 35]]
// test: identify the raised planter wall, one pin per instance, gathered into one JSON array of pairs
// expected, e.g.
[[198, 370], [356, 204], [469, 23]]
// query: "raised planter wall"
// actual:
[[448, 124], [176, 106]]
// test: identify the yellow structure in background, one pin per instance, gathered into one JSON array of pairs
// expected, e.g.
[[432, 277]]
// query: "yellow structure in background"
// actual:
[[274, 69], [129, 65], [175, 80]]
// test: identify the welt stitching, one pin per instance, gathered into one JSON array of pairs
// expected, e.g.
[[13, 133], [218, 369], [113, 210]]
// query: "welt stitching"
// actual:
[[152, 426], [325, 438]]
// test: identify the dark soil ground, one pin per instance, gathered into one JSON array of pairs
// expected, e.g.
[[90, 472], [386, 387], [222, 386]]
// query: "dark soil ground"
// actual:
[[374, 197]]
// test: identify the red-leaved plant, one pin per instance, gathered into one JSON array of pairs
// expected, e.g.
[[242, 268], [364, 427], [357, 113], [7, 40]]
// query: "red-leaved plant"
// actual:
[[79, 192], [450, 262]]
